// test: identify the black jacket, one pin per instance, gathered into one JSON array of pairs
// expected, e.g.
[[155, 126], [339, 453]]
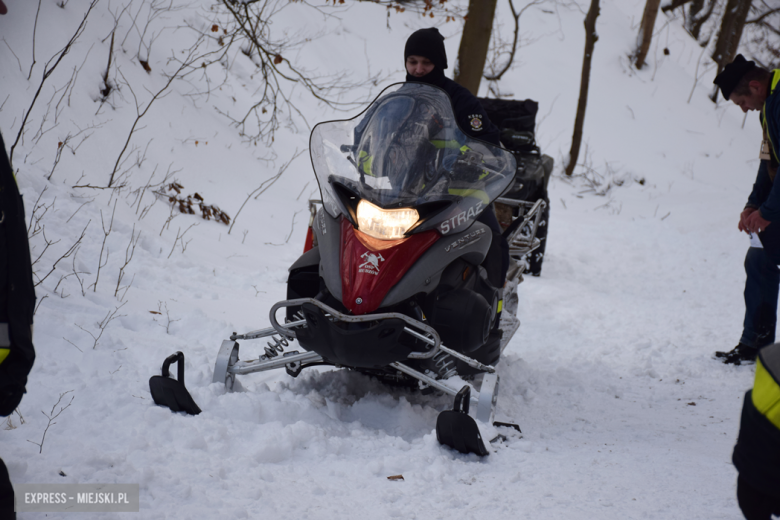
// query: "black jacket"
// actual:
[[469, 113], [17, 294]]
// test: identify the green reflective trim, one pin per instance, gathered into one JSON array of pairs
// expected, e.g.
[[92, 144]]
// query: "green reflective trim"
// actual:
[[4, 354], [440, 143], [477, 194], [763, 112], [766, 394], [365, 161], [775, 81], [452, 144]]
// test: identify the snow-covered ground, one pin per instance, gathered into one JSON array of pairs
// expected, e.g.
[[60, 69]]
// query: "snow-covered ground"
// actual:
[[624, 412]]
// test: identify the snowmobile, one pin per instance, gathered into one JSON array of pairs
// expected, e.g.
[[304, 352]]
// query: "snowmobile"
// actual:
[[396, 280]]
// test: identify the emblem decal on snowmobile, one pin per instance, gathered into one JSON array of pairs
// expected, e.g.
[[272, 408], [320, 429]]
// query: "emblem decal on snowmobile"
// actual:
[[371, 264], [451, 223], [465, 240]]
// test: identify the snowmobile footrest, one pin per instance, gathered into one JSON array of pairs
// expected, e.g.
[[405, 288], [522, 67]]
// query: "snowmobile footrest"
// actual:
[[499, 424], [170, 392], [456, 429]]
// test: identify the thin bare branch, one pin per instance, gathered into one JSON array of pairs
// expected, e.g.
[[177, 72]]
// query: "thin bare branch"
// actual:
[[51, 416], [103, 324], [106, 232], [48, 69], [67, 253], [35, 29], [129, 252], [264, 186], [180, 239], [516, 15], [192, 57]]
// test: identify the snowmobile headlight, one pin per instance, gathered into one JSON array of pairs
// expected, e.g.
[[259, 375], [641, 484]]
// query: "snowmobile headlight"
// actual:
[[385, 224]]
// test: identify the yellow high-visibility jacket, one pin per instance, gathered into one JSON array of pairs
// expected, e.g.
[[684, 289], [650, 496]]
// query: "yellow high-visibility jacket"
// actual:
[[757, 453]]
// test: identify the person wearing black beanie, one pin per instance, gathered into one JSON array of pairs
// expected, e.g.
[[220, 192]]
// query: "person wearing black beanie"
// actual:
[[425, 60], [427, 44]]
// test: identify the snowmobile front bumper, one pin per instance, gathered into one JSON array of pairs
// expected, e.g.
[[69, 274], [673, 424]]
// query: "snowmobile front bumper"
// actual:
[[228, 365], [456, 430]]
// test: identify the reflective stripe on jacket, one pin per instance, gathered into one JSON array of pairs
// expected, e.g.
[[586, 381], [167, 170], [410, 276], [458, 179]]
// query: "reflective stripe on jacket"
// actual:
[[766, 193]]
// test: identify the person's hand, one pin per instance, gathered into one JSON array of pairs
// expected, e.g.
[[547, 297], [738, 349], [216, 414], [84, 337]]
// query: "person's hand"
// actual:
[[743, 217], [755, 223]]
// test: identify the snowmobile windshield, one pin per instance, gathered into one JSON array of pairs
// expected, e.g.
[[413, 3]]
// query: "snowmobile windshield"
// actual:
[[407, 151]]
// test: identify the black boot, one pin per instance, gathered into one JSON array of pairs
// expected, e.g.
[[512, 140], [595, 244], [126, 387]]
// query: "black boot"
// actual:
[[738, 354]]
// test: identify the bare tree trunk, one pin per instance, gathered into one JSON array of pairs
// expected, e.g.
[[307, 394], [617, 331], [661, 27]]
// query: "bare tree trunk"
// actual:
[[645, 35], [474, 43], [695, 7], [730, 33], [591, 37], [674, 4], [695, 21]]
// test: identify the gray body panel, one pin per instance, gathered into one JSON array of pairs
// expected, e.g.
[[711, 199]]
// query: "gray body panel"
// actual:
[[328, 233], [471, 245], [307, 259]]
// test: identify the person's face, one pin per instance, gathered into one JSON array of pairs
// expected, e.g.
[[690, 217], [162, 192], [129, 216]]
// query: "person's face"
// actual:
[[418, 66], [752, 101]]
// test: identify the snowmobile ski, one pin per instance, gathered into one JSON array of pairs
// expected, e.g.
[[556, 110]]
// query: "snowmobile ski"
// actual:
[[456, 429], [170, 392]]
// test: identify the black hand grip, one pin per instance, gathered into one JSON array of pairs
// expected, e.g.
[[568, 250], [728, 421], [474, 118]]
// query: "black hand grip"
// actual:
[[177, 357], [463, 400]]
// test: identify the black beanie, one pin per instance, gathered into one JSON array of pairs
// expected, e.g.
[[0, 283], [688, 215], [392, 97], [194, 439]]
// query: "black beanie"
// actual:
[[428, 43], [728, 79]]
